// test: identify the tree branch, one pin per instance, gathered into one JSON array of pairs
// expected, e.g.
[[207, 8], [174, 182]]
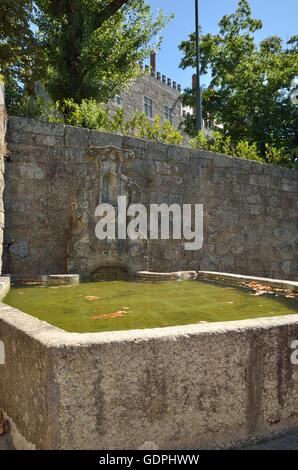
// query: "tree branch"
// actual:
[[109, 11]]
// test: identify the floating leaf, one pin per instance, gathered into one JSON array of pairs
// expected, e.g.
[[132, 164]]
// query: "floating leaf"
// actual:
[[120, 313], [260, 289]]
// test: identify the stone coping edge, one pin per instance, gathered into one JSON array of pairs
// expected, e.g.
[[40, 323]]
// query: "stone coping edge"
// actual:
[[47, 279], [4, 286], [51, 336], [242, 279], [172, 276]]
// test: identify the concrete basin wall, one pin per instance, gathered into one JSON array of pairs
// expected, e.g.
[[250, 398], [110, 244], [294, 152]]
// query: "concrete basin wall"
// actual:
[[194, 386]]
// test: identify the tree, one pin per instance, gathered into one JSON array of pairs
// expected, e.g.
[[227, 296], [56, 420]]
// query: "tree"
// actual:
[[93, 46], [110, 9], [19, 51], [250, 87]]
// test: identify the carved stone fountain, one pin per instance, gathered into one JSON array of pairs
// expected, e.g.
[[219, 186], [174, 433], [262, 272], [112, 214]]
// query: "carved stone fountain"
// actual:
[[104, 259]]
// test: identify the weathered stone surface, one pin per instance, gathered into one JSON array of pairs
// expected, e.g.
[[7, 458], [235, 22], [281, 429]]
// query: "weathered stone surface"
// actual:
[[3, 152], [194, 386], [160, 93], [53, 188], [36, 127]]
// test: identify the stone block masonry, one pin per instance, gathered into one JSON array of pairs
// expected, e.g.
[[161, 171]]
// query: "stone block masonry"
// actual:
[[53, 183], [3, 120], [160, 92]]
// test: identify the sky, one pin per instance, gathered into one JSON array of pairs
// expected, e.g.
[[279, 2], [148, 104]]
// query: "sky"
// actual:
[[279, 17]]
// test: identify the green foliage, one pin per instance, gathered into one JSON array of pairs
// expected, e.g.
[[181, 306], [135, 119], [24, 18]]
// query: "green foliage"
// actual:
[[35, 107], [91, 59], [217, 142], [78, 48], [247, 150], [87, 114], [21, 58], [279, 156], [97, 116], [250, 88]]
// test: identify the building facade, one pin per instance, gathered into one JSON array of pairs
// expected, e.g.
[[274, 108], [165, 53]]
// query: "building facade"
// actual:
[[154, 94]]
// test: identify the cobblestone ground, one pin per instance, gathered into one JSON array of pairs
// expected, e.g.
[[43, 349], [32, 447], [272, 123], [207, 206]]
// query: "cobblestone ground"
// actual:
[[5, 442], [288, 442]]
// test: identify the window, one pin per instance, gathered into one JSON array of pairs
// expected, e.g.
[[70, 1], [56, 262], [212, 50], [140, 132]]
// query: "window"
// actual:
[[169, 114], [148, 106]]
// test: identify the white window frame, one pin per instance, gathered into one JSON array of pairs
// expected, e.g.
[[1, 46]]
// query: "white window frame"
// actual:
[[148, 107], [169, 115]]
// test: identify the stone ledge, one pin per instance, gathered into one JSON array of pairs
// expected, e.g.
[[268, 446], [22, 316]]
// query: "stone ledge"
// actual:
[[241, 279], [46, 280], [173, 276], [4, 286], [30, 126]]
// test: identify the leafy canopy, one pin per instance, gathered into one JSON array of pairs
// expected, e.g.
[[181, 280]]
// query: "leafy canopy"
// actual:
[[250, 87], [19, 49], [89, 58], [78, 48]]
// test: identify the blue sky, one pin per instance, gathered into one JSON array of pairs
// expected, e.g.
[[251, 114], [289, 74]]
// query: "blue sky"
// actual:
[[279, 17]]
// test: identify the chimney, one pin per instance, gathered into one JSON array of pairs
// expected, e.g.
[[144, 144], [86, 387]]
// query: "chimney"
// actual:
[[153, 62]]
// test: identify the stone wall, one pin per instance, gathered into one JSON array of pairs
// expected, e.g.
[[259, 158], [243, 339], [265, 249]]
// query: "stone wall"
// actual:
[[3, 120], [55, 180], [188, 387]]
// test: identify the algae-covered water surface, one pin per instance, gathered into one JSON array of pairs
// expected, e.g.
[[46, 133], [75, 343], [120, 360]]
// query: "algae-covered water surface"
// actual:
[[123, 305]]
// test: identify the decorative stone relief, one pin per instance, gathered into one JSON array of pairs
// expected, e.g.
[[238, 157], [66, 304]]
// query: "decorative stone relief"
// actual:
[[107, 256], [112, 182]]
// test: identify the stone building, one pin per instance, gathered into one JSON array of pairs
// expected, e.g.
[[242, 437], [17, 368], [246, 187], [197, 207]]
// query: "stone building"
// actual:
[[153, 94]]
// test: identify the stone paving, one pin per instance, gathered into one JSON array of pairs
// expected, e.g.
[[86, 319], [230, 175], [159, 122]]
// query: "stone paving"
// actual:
[[288, 442], [6, 442]]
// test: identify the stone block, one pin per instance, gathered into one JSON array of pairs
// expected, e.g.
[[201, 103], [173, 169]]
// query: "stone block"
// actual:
[[76, 137], [103, 139], [34, 126], [222, 161]]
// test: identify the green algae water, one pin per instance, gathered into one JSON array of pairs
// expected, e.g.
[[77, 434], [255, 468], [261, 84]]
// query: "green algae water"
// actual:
[[125, 305]]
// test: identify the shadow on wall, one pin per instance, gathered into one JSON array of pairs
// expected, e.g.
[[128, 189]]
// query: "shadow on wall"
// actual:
[[109, 273]]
